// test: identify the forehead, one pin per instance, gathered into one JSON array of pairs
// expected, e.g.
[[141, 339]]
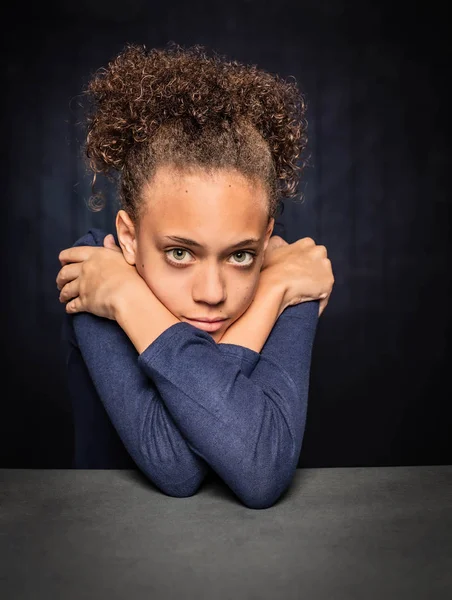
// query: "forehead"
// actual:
[[210, 204]]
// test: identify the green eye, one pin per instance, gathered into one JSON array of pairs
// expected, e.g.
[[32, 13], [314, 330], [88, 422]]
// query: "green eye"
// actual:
[[174, 257], [178, 250], [243, 253]]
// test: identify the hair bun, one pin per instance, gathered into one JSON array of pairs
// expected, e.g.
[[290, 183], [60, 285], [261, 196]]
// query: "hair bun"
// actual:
[[142, 89]]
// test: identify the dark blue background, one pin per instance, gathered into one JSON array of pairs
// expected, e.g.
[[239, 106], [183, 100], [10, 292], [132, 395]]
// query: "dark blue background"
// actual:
[[376, 194]]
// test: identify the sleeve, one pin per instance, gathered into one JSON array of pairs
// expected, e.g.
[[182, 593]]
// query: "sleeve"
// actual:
[[247, 422], [257, 415], [132, 401], [97, 444]]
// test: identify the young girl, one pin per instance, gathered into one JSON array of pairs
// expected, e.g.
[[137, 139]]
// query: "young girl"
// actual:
[[189, 332]]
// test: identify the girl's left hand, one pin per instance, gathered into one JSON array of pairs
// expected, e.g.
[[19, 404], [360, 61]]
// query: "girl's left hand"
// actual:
[[92, 277]]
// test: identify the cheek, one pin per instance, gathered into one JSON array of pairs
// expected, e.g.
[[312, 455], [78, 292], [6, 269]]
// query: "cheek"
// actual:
[[163, 287], [246, 294], [244, 288], [148, 266], [169, 290]]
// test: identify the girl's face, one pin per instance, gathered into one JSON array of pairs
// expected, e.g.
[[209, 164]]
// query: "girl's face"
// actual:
[[200, 244]]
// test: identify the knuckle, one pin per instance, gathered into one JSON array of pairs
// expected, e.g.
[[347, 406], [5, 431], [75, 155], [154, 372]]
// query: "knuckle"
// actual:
[[276, 241], [318, 251], [307, 241]]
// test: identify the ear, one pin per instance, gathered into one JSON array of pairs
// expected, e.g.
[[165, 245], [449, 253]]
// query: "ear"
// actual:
[[125, 230]]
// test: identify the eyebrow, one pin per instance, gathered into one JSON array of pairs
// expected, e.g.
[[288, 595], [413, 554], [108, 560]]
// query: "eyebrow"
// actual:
[[189, 242]]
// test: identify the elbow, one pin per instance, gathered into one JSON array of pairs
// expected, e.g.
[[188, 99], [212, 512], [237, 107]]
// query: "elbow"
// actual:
[[259, 502], [261, 498], [265, 477], [182, 489], [177, 489], [172, 467], [271, 460], [264, 488]]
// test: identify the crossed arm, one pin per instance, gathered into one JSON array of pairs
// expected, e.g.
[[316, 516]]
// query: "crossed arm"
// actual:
[[185, 403]]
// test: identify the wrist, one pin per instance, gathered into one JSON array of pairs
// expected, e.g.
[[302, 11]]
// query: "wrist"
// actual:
[[252, 329], [142, 316], [132, 290], [272, 287]]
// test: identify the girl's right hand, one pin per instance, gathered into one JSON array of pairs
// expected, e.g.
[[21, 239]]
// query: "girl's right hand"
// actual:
[[302, 269]]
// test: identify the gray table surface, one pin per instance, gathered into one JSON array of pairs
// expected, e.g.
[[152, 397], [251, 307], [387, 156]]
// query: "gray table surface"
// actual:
[[337, 533]]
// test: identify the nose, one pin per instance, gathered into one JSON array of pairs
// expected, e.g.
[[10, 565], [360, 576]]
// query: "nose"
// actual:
[[209, 286]]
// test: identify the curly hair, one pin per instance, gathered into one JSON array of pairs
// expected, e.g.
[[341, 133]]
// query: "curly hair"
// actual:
[[180, 107]]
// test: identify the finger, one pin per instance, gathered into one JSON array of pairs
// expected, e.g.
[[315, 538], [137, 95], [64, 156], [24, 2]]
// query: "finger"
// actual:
[[67, 273], [76, 254], [321, 251], [276, 241], [273, 243], [305, 242], [110, 243], [323, 304], [74, 306], [70, 290]]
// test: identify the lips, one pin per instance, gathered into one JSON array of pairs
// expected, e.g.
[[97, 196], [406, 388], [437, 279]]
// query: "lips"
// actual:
[[208, 320], [209, 326]]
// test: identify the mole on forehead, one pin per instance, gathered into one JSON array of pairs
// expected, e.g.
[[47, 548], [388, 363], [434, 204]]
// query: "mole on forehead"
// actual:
[[163, 190]]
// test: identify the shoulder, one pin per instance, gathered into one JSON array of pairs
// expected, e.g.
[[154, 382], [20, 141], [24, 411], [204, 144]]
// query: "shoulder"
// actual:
[[93, 237]]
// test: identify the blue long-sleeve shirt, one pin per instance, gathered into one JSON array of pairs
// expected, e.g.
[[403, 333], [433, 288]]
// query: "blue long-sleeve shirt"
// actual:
[[186, 404]]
